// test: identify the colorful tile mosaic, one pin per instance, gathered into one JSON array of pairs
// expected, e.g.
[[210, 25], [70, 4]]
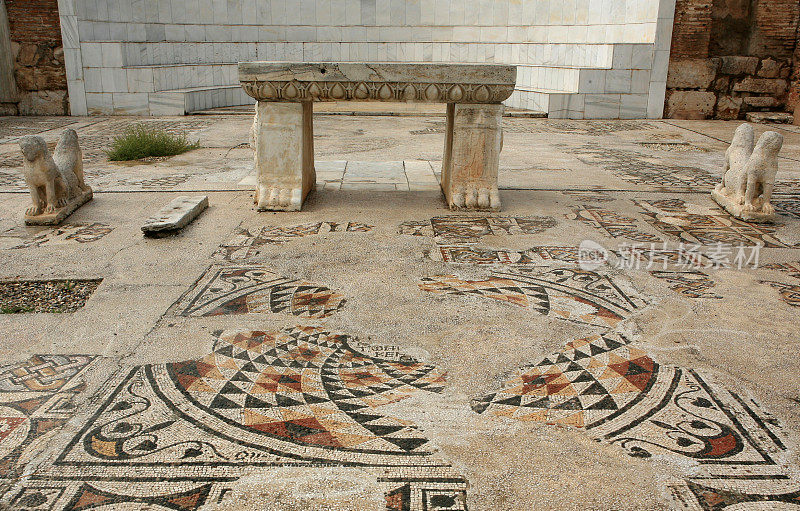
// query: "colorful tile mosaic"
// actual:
[[675, 218], [639, 169], [576, 295], [245, 245], [12, 180], [63, 234], [36, 397], [299, 396], [787, 205], [90, 497], [611, 223], [592, 128], [226, 290], [13, 127], [458, 229], [793, 269], [787, 186], [589, 195], [693, 284], [790, 293], [691, 496], [621, 396], [157, 183], [461, 254]]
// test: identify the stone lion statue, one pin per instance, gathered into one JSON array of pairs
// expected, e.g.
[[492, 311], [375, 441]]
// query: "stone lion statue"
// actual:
[[759, 173], [735, 158], [53, 180], [746, 188]]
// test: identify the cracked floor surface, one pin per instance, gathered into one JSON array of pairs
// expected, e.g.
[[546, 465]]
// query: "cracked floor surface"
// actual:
[[376, 351]]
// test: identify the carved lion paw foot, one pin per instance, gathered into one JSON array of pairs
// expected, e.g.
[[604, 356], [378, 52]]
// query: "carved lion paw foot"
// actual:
[[748, 206], [475, 197], [767, 209], [50, 209], [288, 199], [33, 211]]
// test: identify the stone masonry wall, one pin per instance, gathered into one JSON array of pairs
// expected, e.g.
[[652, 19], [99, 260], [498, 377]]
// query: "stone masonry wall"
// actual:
[[38, 57], [730, 57]]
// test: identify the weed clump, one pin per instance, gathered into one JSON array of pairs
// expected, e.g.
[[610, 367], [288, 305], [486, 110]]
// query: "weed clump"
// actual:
[[140, 141]]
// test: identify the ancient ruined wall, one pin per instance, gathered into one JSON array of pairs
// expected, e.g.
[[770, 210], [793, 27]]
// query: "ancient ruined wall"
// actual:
[[793, 99], [730, 57], [38, 56], [8, 89]]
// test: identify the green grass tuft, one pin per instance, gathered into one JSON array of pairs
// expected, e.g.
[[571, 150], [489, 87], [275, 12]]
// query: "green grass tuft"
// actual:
[[141, 141], [14, 309]]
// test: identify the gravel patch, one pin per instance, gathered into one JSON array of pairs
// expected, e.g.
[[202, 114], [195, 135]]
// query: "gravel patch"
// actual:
[[45, 295]]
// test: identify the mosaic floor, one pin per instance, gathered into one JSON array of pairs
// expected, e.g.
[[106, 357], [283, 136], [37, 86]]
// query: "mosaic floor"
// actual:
[[253, 289], [611, 340], [621, 396]]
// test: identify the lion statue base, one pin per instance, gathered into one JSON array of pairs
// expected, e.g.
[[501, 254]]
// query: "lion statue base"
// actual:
[[55, 182]]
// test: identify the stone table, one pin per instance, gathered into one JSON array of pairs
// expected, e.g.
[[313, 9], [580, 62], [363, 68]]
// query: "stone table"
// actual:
[[283, 127]]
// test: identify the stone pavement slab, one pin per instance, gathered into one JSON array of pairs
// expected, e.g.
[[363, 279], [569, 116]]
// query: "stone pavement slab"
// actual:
[[176, 215]]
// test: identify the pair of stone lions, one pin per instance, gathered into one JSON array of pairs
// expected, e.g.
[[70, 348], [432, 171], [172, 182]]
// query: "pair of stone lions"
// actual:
[[750, 169], [53, 180]]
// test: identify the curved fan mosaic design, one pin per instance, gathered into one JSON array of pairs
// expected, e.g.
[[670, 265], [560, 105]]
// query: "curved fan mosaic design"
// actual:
[[308, 387], [619, 395], [299, 396], [576, 295], [253, 289]]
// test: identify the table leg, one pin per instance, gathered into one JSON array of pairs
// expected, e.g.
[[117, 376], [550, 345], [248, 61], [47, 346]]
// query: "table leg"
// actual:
[[473, 141], [284, 155]]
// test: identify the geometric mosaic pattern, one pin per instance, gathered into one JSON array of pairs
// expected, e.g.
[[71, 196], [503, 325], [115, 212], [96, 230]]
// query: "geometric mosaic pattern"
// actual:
[[793, 269], [36, 397], [457, 229], [788, 206], [90, 497], [20, 126], [588, 195], [299, 396], [691, 496], [673, 218], [306, 387], [633, 168], [620, 396], [581, 386], [693, 284], [245, 245], [461, 254], [63, 234], [576, 295], [790, 293], [251, 289], [41, 373], [592, 128], [611, 223]]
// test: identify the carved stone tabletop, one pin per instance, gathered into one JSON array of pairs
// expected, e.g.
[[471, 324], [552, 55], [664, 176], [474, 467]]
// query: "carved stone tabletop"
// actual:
[[380, 81]]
